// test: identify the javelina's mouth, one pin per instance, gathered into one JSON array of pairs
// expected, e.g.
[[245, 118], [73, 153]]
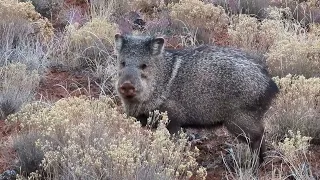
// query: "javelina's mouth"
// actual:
[[129, 96]]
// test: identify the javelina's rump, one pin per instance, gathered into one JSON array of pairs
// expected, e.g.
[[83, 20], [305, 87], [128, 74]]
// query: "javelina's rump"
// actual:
[[198, 87]]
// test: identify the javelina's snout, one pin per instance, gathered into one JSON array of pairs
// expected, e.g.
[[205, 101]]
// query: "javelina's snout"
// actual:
[[127, 89]]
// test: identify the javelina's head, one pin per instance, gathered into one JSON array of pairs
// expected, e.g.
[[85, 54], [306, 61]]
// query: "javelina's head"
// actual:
[[139, 60]]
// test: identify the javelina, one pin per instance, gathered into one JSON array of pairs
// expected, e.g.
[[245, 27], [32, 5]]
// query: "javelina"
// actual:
[[203, 86]]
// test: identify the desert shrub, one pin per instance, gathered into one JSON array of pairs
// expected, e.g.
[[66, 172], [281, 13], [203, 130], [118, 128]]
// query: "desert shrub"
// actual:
[[296, 108], [248, 33], [17, 87], [240, 162], [47, 8], [29, 52], [20, 19], [86, 45], [59, 12], [25, 35], [315, 29], [203, 19], [110, 9], [294, 153], [244, 33], [90, 139], [97, 28], [28, 155], [146, 5], [297, 54], [292, 143], [287, 46], [89, 47]]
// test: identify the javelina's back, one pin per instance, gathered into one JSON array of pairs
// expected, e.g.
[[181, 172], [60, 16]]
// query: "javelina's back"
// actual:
[[198, 87], [212, 82]]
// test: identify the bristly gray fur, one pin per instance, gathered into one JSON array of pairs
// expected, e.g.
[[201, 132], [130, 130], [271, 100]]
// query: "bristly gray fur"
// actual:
[[200, 86]]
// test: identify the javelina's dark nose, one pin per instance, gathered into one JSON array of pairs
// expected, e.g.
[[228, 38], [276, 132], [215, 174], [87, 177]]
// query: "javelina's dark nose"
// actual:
[[127, 89]]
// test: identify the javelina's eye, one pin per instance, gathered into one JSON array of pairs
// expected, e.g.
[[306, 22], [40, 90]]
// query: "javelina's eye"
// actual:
[[123, 64], [143, 66]]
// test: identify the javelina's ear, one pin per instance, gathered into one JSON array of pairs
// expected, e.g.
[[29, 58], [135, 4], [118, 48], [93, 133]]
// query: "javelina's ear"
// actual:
[[157, 45], [118, 42]]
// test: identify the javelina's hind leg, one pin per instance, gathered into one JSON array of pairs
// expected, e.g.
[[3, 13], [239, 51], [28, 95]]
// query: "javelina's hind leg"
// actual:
[[245, 125], [174, 127]]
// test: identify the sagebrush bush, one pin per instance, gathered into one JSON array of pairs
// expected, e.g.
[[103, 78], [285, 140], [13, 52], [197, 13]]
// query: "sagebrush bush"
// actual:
[[20, 19], [147, 6], [28, 155], [89, 33], [17, 87], [90, 44], [25, 35], [47, 8], [315, 29], [31, 53], [297, 54], [287, 46], [248, 33], [203, 19], [313, 3], [296, 108], [90, 139], [292, 143], [295, 154], [109, 9]]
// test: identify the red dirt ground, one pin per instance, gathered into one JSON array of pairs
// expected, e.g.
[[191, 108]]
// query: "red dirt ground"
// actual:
[[61, 84]]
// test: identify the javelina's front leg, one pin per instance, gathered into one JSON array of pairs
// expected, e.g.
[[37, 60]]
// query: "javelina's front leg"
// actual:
[[143, 119]]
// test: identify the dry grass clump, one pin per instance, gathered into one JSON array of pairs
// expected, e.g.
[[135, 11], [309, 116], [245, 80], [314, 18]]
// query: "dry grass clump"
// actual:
[[240, 162], [90, 44], [110, 8], [28, 155], [315, 29], [295, 154], [17, 87], [244, 33], [147, 6], [203, 19], [296, 108], [288, 48], [22, 18], [46, 8], [90, 139], [248, 33], [297, 54], [97, 28], [25, 35], [313, 3], [29, 52]]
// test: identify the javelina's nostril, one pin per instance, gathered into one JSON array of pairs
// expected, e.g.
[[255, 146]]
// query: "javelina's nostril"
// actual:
[[127, 89]]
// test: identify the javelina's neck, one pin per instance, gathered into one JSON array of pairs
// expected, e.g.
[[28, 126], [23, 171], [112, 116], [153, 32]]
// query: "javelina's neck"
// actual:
[[171, 66]]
